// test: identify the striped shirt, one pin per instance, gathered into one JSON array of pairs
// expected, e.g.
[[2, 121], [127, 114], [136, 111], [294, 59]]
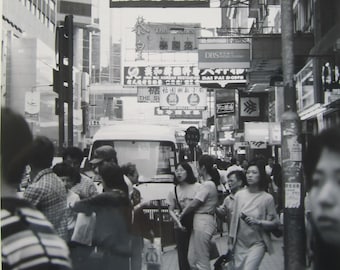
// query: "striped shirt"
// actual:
[[48, 194], [29, 240]]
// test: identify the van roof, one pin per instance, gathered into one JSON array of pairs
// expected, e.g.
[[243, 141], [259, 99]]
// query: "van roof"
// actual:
[[136, 132]]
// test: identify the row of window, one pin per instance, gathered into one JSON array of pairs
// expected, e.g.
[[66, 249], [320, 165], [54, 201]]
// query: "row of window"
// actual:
[[175, 45], [43, 10]]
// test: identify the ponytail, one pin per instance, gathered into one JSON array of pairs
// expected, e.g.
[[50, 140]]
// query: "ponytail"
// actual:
[[208, 162]]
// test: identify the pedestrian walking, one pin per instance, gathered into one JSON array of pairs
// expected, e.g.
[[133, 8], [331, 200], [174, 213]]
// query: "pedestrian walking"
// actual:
[[86, 187], [113, 220], [70, 177], [204, 206], [106, 153], [47, 192], [185, 190], [141, 227], [28, 239], [254, 216], [236, 181], [322, 167]]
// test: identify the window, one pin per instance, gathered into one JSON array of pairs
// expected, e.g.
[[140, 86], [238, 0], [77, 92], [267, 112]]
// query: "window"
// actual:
[[163, 45], [176, 45], [188, 45]]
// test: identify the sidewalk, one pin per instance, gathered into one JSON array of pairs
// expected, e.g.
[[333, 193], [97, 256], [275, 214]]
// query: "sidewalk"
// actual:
[[274, 261]]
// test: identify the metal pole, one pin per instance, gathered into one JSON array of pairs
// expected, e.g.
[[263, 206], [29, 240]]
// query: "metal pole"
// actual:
[[294, 227], [61, 98]]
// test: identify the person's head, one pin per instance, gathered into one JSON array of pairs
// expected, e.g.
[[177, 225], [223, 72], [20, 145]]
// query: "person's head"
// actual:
[[233, 161], [184, 173], [68, 174], [256, 175], [42, 153], [322, 170], [16, 140], [236, 180], [73, 156], [130, 170], [113, 176], [206, 167], [104, 153], [245, 164], [270, 161]]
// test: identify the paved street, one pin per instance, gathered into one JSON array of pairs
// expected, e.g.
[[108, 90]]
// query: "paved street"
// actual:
[[270, 262]]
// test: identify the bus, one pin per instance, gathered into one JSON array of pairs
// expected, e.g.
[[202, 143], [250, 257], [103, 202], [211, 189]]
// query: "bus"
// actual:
[[152, 148]]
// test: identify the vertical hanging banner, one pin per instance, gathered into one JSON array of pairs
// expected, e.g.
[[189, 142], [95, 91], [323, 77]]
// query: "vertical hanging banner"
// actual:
[[182, 97]]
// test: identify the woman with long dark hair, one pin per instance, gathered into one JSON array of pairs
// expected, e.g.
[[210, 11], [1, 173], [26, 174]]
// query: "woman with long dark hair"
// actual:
[[322, 171], [184, 192], [204, 206], [253, 217]]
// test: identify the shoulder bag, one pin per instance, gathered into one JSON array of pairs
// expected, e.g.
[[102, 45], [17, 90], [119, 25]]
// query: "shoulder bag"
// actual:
[[187, 220]]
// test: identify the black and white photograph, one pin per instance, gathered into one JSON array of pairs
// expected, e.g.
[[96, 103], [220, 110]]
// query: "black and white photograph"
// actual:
[[170, 134]]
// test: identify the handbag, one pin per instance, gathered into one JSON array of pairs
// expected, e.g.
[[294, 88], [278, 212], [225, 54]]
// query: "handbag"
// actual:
[[188, 220], [222, 260], [213, 250]]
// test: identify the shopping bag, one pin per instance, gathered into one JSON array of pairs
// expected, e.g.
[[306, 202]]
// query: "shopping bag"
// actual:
[[84, 229], [152, 254]]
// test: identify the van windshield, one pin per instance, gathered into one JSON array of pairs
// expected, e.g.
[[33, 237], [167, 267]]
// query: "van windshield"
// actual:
[[155, 160]]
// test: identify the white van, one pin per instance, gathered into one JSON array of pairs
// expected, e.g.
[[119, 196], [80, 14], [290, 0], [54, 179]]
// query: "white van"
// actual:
[[151, 147]]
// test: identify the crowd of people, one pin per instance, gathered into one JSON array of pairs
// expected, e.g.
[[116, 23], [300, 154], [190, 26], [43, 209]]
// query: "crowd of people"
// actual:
[[51, 225]]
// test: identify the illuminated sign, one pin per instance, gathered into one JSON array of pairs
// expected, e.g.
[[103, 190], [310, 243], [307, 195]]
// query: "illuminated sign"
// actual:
[[161, 75], [179, 114], [159, 3], [182, 97]]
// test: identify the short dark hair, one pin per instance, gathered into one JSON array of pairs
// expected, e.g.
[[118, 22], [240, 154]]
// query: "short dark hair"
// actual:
[[74, 153], [327, 139], [64, 169], [263, 181], [240, 175], [129, 168], [42, 153], [16, 140], [113, 176], [190, 179]]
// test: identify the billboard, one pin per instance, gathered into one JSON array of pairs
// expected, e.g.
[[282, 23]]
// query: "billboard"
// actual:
[[182, 97], [148, 94], [223, 55], [159, 3], [161, 75]]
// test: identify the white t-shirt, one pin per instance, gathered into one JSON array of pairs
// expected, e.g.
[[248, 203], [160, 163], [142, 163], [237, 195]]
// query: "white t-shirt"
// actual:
[[208, 195], [185, 194]]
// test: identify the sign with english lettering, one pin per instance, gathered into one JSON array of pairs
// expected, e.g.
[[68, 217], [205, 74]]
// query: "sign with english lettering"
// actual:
[[148, 94]]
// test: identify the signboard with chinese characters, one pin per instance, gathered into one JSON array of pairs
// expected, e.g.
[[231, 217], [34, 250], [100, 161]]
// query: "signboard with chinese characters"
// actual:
[[151, 36], [225, 108], [179, 114], [182, 97], [269, 132], [223, 55], [159, 3], [161, 75], [148, 94]]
